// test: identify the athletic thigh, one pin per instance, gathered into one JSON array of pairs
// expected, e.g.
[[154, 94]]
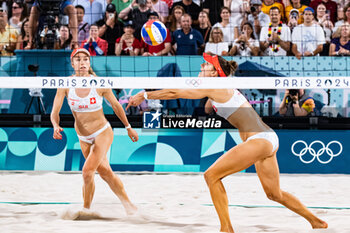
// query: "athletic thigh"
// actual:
[[240, 157], [268, 173], [99, 149]]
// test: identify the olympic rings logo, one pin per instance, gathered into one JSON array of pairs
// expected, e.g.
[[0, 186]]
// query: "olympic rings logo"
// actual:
[[314, 153], [193, 82]]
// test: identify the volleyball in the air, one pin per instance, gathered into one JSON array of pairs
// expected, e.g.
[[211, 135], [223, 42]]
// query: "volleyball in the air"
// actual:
[[153, 32]]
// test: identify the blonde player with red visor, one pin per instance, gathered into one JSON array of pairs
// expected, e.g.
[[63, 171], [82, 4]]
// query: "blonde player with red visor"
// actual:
[[259, 147], [94, 131]]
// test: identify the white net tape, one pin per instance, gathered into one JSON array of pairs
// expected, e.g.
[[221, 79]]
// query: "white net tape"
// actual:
[[177, 83]]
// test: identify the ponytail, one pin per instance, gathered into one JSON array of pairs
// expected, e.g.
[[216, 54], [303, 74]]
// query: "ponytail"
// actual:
[[229, 67]]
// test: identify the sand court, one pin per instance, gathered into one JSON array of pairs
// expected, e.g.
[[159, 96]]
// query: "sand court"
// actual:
[[169, 202]]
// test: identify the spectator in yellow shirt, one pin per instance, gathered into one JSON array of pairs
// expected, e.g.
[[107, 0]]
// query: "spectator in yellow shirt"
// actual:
[[295, 4], [8, 35], [268, 4]]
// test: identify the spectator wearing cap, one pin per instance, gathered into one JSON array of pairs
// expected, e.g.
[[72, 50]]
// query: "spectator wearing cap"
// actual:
[[127, 44], [268, 4], [94, 44], [331, 6], [308, 38], [137, 12], [110, 28], [190, 7], [293, 19], [158, 50], [94, 10], [8, 35], [187, 40], [83, 27], [297, 7], [256, 17], [275, 39], [162, 9], [213, 8]]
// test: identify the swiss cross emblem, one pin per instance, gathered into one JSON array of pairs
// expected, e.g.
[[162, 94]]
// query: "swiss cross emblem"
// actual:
[[215, 109], [93, 100]]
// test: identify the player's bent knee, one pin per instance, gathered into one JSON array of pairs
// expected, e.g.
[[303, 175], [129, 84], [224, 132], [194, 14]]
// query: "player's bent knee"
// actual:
[[209, 177], [105, 173], [274, 195]]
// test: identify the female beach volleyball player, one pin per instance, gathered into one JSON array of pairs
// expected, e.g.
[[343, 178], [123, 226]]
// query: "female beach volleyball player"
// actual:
[[94, 131], [259, 147]]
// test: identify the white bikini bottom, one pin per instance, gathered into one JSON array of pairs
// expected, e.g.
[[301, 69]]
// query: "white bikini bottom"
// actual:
[[91, 138], [270, 136]]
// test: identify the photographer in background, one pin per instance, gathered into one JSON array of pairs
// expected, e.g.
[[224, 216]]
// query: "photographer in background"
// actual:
[[48, 8], [256, 17], [138, 12], [296, 103]]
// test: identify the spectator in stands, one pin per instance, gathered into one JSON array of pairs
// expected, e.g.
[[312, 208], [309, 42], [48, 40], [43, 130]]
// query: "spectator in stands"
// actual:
[[94, 44], [330, 6], [256, 17], [346, 18], [230, 32], [190, 7], [120, 5], [323, 19], [67, 8], [204, 25], [268, 4], [238, 8], [308, 38], [8, 35], [341, 46], [213, 8], [127, 44], [296, 103], [245, 44], [94, 10], [19, 14], [275, 39], [216, 44], [64, 38], [110, 28], [83, 27], [293, 19], [159, 50], [174, 20], [137, 12], [295, 4], [161, 8], [187, 40], [23, 38]]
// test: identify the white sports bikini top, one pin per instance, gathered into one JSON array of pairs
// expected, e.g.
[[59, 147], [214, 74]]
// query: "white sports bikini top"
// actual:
[[228, 108], [91, 103]]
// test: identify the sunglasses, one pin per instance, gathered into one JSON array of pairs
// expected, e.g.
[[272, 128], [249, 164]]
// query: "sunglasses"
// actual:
[[16, 7], [1, 9]]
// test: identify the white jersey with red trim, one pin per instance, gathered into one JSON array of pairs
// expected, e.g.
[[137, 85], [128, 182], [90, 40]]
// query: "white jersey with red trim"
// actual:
[[91, 103], [229, 107]]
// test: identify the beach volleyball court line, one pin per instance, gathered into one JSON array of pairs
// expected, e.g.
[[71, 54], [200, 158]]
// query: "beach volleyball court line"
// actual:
[[230, 205]]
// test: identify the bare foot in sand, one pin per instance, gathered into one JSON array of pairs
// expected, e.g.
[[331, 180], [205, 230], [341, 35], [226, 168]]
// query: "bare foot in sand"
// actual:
[[130, 209], [319, 224]]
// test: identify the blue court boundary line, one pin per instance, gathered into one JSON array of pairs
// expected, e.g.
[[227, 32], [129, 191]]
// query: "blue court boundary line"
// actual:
[[242, 206]]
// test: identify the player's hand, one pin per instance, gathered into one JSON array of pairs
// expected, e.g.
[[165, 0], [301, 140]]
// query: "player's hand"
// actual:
[[57, 133], [135, 100], [133, 135]]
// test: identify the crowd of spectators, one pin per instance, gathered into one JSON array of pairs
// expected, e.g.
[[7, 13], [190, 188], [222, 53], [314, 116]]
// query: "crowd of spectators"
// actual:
[[224, 27]]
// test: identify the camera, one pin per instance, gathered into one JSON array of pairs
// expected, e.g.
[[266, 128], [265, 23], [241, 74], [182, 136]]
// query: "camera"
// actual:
[[294, 15], [50, 9], [293, 92], [253, 9]]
